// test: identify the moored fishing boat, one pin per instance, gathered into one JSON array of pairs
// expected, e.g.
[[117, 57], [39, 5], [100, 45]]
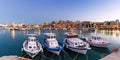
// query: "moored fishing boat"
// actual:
[[31, 46], [51, 44], [73, 43], [97, 41]]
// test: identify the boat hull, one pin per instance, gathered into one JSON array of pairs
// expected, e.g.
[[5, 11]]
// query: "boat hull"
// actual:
[[81, 51], [32, 53], [99, 45], [78, 49], [54, 50]]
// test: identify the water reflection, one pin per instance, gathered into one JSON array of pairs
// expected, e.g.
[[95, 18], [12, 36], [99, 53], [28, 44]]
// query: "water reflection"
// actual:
[[96, 30], [13, 33], [38, 32], [80, 31], [102, 52], [25, 32], [110, 32], [103, 32], [111, 36]]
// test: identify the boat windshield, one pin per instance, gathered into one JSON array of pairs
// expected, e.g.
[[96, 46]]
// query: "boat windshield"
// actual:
[[96, 38], [51, 37], [32, 40], [72, 36]]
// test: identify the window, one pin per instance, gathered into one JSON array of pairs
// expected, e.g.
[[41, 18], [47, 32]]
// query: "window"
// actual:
[[30, 47], [34, 47], [51, 43], [75, 43], [48, 37], [33, 40], [52, 36], [99, 38]]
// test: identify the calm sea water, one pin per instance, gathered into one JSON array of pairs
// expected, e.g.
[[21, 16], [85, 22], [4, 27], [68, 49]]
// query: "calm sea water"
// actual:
[[11, 43]]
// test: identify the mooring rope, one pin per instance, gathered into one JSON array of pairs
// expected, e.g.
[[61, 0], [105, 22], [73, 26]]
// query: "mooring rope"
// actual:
[[67, 54], [52, 55], [76, 56], [86, 56], [46, 56]]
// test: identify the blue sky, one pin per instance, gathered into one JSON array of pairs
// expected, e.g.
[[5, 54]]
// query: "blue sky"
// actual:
[[39, 11]]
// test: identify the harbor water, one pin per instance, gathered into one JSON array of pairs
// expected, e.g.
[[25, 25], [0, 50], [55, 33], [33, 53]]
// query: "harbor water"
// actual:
[[11, 42]]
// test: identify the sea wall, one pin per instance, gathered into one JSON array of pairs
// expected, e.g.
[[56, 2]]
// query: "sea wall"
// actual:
[[115, 55], [13, 58]]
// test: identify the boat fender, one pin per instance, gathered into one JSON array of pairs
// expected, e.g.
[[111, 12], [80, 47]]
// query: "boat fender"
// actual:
[[66, 46], [41, 50], [86, 38], [22, 49]]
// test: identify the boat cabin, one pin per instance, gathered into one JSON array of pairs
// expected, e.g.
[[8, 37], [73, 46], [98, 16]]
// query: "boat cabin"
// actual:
[[32, 45], [50, 36], [32, 39], [72, 39], [71, 35], [51, 40], [96, 37]]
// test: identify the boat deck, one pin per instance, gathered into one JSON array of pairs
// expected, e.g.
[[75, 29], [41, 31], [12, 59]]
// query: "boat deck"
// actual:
[[26, 45]]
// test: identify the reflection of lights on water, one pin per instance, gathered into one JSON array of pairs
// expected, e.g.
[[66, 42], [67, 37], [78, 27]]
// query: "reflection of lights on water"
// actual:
[[80, 31], [25, 32], [95, 31], [103, 32], [38, 32], [115, 32], [13, 33], [110, 32]]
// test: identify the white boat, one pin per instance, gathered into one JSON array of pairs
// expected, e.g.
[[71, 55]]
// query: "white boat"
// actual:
[[97, 41], [31, 46], [51, 44], [73, 43]]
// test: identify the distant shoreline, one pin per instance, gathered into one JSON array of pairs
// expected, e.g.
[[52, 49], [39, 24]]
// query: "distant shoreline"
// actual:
[[106, 25]]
